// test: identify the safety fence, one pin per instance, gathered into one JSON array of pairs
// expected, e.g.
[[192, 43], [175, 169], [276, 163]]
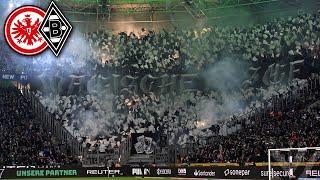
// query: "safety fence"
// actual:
[[110, 156], [161, 155], [276, 103], [54, 126], [88, 158]]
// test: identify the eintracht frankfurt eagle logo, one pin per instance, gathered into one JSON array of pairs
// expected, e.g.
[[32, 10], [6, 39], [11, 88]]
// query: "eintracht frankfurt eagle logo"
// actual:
[[22, 30], [29, 30]]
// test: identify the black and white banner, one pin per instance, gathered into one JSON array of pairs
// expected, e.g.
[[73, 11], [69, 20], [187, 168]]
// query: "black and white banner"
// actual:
[[247, 172], [143, 143]]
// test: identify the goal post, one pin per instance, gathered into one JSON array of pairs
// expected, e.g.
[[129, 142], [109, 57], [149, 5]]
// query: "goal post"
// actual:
[[293, 163]]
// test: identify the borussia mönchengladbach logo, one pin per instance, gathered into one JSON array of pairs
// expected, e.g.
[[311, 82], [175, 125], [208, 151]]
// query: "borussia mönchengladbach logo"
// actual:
[[55, 28]]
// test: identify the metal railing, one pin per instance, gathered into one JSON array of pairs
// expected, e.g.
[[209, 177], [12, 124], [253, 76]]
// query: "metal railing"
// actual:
[[54, 126], [88, 158]]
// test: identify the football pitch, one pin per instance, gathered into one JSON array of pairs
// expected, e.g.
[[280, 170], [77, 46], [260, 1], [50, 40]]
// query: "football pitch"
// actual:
[[118, 178]]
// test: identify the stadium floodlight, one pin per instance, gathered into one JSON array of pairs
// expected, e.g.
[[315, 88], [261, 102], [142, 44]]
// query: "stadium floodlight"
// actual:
[[289, 163]]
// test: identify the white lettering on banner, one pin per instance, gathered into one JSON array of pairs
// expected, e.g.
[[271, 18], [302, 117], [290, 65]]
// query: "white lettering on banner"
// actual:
[[182, 171], [138, 171], [294, 69], [104, 172], [14, 76], [313, 173], [1, 172], [163, 171], [204, 173], [273, 75], [280, 173], [236, 172], [7, 76], [24, 77], [174, 83]]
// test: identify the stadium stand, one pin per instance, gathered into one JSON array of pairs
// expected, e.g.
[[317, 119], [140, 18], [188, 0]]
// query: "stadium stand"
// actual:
[[103, 126], [24, 139]]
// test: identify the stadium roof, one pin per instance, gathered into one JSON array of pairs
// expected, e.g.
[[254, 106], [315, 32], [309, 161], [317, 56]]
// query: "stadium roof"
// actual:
[[160, 5], [157, 14]]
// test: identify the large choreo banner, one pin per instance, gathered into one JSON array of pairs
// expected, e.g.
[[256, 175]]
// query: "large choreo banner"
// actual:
[[247, 172], [259, 75]]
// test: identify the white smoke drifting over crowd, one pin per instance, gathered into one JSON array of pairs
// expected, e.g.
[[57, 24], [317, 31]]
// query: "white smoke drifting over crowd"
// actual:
[[190, 114], [94, 115], [226, 78]]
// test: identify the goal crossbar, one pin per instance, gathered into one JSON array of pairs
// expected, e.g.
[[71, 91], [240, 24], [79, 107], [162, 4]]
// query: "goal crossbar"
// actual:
[[289, 149], [286, 149]]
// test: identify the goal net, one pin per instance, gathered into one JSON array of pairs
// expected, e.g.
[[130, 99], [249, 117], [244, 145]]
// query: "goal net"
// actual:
[[294, 163]]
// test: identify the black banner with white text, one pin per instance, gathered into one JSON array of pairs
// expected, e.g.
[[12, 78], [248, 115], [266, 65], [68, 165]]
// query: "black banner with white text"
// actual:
[[247, 172]]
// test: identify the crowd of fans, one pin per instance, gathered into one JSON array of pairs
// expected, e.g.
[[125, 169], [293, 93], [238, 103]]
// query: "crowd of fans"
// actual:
[[189, 116], [102, 120], [189, 50], [175, 52], [296, 128], [23, 139]]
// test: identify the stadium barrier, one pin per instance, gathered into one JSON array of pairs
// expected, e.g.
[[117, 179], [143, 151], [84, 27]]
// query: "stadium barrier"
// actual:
[[71, 142], [276, 103], [259, 164], [53, 125], [161, 155], [271, 107], [125, 149], [247, 172], [294, 164], [210, 164], [88, 158]]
